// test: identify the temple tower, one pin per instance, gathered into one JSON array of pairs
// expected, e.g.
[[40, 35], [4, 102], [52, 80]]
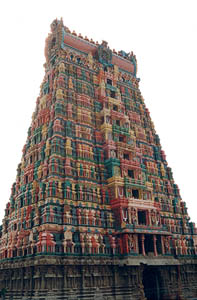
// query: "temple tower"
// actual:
[[94, 212]]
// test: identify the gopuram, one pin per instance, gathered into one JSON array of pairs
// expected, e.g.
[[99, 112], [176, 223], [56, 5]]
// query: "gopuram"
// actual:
[[94, 212]]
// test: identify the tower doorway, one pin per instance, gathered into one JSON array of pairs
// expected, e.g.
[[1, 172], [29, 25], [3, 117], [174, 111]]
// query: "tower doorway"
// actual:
[[151, 282]]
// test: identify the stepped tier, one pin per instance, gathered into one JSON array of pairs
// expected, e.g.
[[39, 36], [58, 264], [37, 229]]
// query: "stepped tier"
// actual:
[[93, 184]]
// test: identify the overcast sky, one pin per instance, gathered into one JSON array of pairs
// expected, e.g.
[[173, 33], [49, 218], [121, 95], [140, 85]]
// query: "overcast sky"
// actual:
[[162, 34]]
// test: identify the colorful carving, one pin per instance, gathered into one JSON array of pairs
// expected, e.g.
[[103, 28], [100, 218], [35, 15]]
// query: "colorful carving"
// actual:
[[93, 177]]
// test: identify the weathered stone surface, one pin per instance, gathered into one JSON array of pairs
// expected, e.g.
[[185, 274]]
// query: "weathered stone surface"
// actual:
[[41, 280]]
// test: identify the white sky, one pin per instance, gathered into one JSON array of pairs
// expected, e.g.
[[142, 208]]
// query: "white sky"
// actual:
[[161, 33]]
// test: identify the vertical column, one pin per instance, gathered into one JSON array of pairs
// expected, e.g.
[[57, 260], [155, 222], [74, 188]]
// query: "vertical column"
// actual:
[[43, 281], [22, 279], [136, 246], [125, 243], [65, 278], [162, 245], [155, 245], [142, 241], [31, 274], [116, 277], [82, 277], [10, 281]]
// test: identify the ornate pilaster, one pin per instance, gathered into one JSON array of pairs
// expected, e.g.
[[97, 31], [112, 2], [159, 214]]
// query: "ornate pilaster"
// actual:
[[155, 245], [142, 244]]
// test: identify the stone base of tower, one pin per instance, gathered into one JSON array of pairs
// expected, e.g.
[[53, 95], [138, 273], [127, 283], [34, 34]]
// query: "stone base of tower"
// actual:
[[57, 278]]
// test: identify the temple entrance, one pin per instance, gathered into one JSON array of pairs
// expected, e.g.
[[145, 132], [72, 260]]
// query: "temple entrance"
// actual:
[[151, 282]]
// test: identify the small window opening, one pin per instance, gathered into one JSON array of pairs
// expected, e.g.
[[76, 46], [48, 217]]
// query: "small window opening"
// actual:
[[135, 194], [118, 122], [112, 94], [109, 81], [121, 139], [107, 119], [115, 107], [14, 253], [105, 69], [131, 174], [142, 217], [78, 60], [126, 156]]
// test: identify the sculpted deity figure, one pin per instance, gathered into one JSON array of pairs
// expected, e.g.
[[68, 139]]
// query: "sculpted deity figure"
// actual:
[[131, 243], [62, 67], [133, 216], [153, 217], [113, 153], [166, 245], [70, 83], [59, 94], [90, 60]]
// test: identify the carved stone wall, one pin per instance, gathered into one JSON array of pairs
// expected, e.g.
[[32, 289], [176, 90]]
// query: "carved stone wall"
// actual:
[[54, 278]]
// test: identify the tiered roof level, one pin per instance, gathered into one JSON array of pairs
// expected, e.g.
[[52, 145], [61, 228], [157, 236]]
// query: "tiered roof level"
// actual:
[[93, 178]]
